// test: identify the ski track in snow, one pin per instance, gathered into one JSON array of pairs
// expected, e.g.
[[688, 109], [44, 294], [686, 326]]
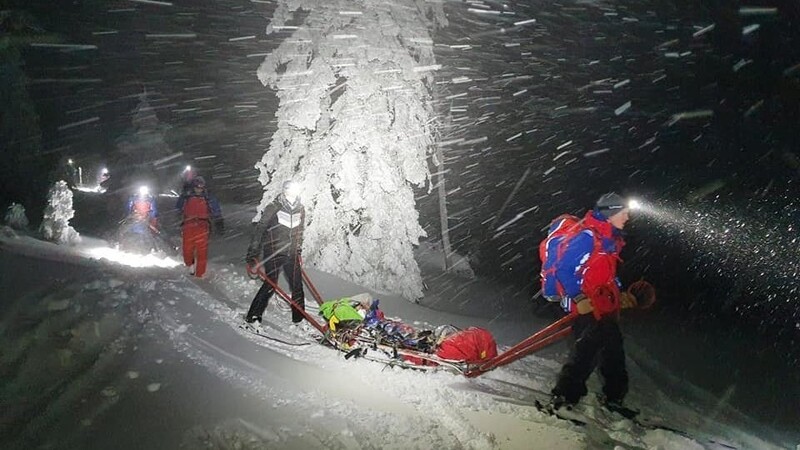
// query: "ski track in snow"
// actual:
[[209, 355]]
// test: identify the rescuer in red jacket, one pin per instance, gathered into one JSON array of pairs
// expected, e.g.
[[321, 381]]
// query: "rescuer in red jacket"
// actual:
[[591, 259], [200, 212]]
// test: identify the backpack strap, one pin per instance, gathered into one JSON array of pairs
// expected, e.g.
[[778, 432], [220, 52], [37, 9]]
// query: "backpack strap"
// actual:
[[576, 229]]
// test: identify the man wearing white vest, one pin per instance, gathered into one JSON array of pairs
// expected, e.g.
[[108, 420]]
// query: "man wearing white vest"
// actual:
[[276, 244]]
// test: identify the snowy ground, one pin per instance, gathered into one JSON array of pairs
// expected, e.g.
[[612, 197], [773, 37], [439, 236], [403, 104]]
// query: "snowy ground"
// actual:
[[100, 355]]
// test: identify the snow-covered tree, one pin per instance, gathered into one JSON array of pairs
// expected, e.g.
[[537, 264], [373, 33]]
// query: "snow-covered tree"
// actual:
[[55, 225], [144, 142], [15, 217], [142, 147], [355, 127]]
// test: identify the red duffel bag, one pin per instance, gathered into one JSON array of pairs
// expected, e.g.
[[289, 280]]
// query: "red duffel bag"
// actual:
[[472, 345]]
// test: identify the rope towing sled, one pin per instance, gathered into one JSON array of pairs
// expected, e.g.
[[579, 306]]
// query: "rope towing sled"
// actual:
[[358, 328]]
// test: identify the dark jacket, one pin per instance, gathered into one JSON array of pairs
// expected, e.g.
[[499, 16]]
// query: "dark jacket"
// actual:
[[279, 232]]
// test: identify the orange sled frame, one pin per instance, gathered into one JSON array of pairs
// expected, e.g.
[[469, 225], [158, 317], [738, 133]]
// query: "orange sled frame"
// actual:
[[399, 356]]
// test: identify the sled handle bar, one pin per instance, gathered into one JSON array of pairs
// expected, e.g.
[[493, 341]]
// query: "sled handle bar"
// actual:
[[288, 299], [308, 282], [533, 343]]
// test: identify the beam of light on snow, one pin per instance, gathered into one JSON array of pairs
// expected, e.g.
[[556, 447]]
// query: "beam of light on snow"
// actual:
[[77, 124], [95, 189], [131, 259], [688, 115], [64, 46], [153, 2], [704, 30], [757, 10]]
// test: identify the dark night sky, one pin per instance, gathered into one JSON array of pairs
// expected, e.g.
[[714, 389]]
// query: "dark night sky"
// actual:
[[204, 87]]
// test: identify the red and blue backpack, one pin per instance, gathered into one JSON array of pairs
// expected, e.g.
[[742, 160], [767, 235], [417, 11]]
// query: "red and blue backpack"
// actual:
[[561, 232]]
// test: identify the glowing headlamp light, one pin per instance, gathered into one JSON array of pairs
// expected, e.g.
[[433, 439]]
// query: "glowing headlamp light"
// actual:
[[634, 204], [292, 191]]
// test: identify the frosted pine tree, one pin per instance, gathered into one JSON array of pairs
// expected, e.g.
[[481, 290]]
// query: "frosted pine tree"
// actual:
[[55, 225], [143, 146], [15, 217], [145, 142], [355, 127]]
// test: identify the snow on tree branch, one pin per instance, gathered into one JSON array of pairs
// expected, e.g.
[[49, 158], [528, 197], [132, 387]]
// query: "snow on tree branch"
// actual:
[[354, 128], [57, 214]]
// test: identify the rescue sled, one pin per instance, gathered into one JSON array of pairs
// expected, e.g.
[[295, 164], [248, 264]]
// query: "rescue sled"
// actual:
[[368, 334]]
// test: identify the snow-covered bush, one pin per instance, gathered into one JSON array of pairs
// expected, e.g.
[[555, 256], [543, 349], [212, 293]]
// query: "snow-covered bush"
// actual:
[[355, 127], [15, 217], [55, 225]]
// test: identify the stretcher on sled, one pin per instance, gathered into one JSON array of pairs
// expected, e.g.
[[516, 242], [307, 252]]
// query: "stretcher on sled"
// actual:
[[477, 354]]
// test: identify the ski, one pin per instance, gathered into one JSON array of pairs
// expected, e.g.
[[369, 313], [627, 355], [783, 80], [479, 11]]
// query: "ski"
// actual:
[[596, 428], [388, 361], [264, 335], [596, 432]]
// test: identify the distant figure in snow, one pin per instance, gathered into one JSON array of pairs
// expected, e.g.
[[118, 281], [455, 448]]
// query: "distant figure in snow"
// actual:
[[276, 244], [103, 180], [201, 212], [140, 224], [187, 176], [142, 208], [587, 273]]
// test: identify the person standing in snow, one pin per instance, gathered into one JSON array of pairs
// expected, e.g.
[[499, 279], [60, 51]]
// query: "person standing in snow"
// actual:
[[587, 270], [200, 211], [276, 245], [141, 208], [140, 223]]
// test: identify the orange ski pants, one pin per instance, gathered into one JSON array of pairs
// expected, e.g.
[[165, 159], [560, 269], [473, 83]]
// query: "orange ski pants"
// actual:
[[195, 245]]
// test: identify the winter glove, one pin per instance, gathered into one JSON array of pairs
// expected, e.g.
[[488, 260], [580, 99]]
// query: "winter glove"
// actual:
[[627, 300], [644, 293], [251, 266], [583, 304], [605, 300]]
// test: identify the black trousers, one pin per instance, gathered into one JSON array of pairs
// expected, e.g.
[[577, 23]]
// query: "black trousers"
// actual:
[[598, 343], [273, 267]]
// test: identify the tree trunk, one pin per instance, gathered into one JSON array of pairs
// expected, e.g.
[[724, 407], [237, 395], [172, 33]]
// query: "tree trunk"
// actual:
[[442, 193]]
